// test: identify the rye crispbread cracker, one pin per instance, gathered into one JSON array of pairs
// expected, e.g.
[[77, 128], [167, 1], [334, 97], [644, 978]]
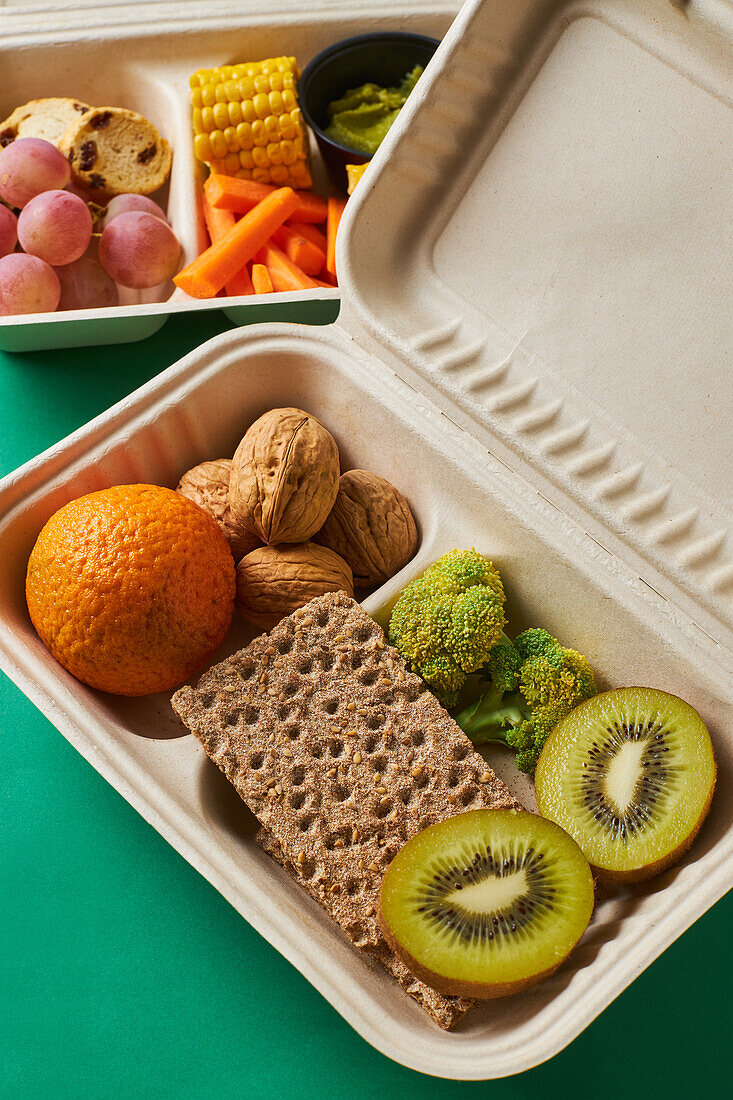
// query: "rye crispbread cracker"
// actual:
[[446, 1011], [339, 750]]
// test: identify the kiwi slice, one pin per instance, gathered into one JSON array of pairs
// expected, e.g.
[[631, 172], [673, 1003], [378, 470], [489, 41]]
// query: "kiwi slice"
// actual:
[[629, 774], [487, 902]]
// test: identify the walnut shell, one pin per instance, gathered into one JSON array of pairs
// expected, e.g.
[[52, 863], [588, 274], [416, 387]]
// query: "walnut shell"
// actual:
[[208, 486], [371, 526], [274, 581], [284, 478]]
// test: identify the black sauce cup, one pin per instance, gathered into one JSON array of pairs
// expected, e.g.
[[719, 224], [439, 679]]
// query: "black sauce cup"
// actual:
[[383, 58]]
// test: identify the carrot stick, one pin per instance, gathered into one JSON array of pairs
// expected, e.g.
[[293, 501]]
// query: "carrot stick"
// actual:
[[310, 232], [285, 275], [218, 223], [301, 251], [335, 212], [261, 279], [230, 193], [218, 264]]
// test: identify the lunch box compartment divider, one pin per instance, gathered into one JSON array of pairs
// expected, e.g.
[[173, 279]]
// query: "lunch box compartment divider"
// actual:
[[554, 574], [141, 57]]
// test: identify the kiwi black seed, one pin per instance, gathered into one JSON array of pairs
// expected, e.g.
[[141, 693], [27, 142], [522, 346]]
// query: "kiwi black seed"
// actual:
[[629, 774], [487, 902]]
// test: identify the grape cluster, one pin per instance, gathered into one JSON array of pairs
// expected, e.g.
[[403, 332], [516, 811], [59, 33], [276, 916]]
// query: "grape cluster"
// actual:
[[62, 265]]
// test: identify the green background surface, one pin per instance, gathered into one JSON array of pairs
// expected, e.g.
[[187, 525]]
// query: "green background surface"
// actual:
[[124, 974]]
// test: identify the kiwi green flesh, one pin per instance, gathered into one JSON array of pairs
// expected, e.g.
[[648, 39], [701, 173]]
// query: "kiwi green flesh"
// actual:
[[629, 774], [486, 902]]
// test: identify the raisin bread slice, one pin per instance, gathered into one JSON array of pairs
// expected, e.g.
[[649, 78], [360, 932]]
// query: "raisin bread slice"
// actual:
[[113, 151], [48, 119]]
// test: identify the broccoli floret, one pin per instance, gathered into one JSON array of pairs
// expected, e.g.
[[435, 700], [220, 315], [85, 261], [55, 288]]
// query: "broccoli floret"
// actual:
[[504, 665], [446, 622], [550, 679]]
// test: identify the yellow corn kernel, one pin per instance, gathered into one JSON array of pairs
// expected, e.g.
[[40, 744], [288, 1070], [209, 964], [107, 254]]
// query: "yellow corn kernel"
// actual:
[[301, 174], [279, 175], [277, 106], [221, 115], [235, 112], [289, 154], [299, 144], [262, 105], [218, 143], [230, 136], [259, 134], [288, 129], [244, 135], [274, 153], [272, 128], [202, 147]]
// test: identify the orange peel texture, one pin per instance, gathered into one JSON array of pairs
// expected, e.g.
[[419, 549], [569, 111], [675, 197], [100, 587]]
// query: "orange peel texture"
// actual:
[[131, 588]]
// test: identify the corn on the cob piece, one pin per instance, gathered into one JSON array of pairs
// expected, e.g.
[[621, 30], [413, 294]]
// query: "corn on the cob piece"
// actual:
[[247, 122]]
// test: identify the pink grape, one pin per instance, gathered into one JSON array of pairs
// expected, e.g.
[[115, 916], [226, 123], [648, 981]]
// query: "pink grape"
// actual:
[[27, 285], [86, 285], [55, 226], [123, 204], [8, 230], [138, 250], [29, 166]]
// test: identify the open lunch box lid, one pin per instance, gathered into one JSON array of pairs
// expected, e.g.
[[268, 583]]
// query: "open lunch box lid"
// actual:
[[544, 240]]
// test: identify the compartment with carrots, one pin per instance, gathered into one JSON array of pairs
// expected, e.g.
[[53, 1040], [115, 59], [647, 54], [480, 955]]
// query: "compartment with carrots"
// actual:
[[269, 232], [253, 224]]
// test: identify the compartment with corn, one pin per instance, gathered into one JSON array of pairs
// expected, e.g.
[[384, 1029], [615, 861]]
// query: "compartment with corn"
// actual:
[[260, 213], [247, 122]]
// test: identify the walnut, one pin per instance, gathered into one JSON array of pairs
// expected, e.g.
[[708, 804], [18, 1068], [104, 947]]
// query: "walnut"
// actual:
[[284, 477], [371, 527], [274, 581], [208, 486]]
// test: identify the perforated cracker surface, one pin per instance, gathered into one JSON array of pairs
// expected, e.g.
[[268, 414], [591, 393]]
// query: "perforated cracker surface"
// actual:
[[340, 751], [446, 1011]]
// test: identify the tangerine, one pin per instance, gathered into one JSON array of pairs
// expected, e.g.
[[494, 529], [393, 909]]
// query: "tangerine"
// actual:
[[131, 588]]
